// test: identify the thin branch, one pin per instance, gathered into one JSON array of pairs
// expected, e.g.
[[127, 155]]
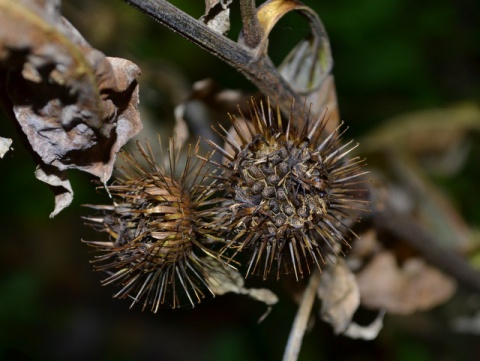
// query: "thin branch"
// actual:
[[252, 32], [258, 68], [301, 318]]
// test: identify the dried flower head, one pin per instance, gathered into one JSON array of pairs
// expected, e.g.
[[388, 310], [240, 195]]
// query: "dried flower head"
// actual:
[[158, 245], [292, 191]]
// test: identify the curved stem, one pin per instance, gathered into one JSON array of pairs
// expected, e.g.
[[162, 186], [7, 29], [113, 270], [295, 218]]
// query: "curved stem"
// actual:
[[301, 318], [258, 68]]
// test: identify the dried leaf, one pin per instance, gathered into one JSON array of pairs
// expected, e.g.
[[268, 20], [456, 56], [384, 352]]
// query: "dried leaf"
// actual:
[[340, 296], [339, 293], [76, 107], [228, 279], [59, 184], [324, 100], [217, 15], [5, 144], [367, 333], [415, 286], [307, 68]]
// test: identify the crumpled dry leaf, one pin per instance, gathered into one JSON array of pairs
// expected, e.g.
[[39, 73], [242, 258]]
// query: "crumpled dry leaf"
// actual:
[[76, 107], [5, 144], [61, 132], [228, 279], [324, 99], [308, 66], [340, 296], [217, 15], [369, 332], [415, 286], [58, 182]]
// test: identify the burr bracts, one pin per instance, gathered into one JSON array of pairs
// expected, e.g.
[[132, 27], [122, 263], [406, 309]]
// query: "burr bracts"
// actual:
[[157, 252], [291, 192], [283, 200]]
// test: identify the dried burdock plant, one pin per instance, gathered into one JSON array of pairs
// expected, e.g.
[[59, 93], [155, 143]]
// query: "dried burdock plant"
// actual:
[[159, 246], [292, 191]]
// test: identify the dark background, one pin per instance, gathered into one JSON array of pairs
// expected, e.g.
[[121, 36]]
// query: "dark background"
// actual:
[[391, 57]]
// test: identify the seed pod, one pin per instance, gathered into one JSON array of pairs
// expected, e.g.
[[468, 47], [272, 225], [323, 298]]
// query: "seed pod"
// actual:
[[310, 192], [157, 250]]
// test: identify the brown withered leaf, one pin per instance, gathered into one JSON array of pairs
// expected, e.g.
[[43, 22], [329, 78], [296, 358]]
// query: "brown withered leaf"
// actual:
[[217, 15], [340, 296], [227, 279], [338, 291], [76, 107], [308, 66], [58, 182], [324, 101], [414, 286], [369, 332]]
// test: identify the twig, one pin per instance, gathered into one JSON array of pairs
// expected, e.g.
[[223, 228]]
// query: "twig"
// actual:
[[257, 67], [301, 318], [252, 33]]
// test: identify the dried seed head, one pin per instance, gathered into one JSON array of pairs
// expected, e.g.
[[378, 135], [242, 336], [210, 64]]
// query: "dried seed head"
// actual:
[[157, 250], [291, 190]]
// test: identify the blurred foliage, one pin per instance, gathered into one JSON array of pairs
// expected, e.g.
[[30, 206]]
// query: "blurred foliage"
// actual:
[[391, 57]]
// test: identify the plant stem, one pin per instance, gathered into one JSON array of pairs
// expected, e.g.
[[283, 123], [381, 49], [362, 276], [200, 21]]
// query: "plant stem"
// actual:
[[252, 32], [258, 68], [301, 318]]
